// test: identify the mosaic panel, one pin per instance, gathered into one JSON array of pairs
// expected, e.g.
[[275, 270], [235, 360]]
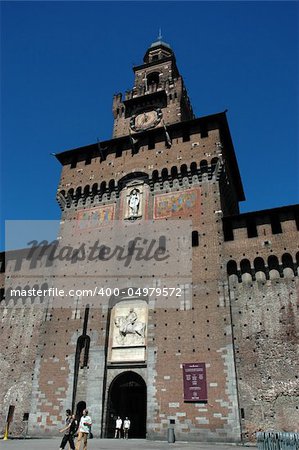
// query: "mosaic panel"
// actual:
[[95, 218], [175, 204]]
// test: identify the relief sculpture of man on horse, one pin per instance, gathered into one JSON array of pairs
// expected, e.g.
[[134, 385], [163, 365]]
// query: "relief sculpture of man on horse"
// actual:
[[128, 325]]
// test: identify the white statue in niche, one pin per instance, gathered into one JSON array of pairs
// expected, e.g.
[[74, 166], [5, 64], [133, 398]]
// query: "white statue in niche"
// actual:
[[134, 201]]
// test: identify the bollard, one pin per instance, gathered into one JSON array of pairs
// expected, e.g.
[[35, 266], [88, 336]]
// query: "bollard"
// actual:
[[170, 435], [5, 437]]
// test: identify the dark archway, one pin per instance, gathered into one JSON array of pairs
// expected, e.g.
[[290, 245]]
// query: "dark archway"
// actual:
[[79, 410], [127, 398]]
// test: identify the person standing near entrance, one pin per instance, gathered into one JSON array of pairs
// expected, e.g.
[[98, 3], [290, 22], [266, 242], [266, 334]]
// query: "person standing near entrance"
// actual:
[[83, 430], [68, 431], [127, 424], [118, 425]]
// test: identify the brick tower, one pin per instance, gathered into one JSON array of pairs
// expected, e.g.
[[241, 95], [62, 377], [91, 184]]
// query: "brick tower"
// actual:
[[175, 162], [158, 96]]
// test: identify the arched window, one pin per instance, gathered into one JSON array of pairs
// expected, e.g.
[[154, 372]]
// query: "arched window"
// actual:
[[155, 176], [70, 193], [153, 78], [287, 263], [259, 264], [78, 192], [174, 172], [232, 268], [164, 174], [95, 188], [245, 266], [83, 344], [193, 168], [111, 185], [86, 191], [273, 263], [260, 269], [287, 260], [103, 187], [184, 170]]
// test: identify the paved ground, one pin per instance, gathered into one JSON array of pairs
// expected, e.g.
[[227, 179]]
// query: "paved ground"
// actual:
[[115, 444]]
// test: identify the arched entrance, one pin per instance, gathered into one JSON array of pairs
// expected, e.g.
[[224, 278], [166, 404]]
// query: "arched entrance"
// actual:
[[127, 398]]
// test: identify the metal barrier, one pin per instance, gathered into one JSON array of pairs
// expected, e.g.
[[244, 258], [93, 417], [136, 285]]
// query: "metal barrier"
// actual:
[[277, 440]]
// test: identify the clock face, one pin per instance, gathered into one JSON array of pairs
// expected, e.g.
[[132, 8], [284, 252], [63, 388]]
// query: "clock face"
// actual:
[[145, 120]]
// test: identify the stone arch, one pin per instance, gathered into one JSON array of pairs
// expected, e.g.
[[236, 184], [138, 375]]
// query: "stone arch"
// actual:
[[69, 197], [94, 189], [260, 269], [288, 265], [164, 174], [155, 176], [184, 170], [245, 266], [193, 168], [127, 397], [153, 78], [273, 265], [111, 185], [103, 186], [232, 271], [246, 272], [273, 262], [86, 191], [78, 193], [174, 172]]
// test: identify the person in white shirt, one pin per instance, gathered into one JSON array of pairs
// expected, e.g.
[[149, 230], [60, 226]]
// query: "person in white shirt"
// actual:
[[83, 430], [127, 424], [118, 425]]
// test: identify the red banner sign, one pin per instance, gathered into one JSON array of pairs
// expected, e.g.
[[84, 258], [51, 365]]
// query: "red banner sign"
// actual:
[[195, 382]]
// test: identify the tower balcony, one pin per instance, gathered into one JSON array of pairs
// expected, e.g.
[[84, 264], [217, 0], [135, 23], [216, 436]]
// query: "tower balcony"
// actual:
[[148, 89]]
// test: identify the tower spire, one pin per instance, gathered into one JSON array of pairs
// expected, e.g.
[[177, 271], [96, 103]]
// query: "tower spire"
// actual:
[[160, 35]]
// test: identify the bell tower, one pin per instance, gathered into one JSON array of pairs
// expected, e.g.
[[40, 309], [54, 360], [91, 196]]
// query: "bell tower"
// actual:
[[158, 96]]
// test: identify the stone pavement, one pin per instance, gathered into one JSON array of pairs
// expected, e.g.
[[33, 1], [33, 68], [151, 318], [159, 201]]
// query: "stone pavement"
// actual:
[[116, 444]]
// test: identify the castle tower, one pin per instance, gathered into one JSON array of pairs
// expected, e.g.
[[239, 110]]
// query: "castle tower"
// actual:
[[162, 164], [158, 96]]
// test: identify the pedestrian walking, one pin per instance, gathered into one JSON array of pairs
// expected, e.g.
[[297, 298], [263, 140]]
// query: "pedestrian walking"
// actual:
[[118, 425], [67, 430], [127, 425], [83, 430]]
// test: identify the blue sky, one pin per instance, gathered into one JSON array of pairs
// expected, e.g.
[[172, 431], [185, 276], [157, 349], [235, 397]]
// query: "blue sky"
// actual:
[[61, 63]]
